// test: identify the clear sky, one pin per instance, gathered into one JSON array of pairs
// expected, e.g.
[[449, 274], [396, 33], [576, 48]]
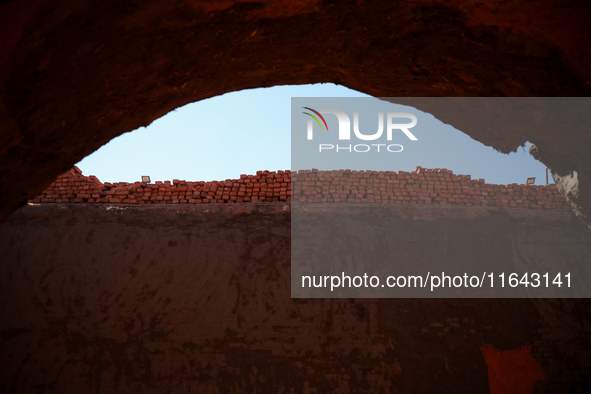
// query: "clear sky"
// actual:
[[243, 132]]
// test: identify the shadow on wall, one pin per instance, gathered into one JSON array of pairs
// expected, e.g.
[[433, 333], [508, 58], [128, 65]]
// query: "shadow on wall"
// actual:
[[196, 297]]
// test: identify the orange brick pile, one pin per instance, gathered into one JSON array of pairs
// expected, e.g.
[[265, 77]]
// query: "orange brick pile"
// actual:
[[73, 187], [421, 186]]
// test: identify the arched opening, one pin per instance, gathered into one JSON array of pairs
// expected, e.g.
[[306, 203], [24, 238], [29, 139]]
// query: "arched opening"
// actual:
[[247, 131], [76, 75], [88, 80]]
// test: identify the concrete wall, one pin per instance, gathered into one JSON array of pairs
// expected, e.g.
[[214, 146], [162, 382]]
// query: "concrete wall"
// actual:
[[102, 298]]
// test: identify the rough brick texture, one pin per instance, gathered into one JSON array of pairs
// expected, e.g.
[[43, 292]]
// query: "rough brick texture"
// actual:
[[421, 186]]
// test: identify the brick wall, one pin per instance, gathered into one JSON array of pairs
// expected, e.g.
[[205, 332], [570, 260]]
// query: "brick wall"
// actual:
[[421, 186]]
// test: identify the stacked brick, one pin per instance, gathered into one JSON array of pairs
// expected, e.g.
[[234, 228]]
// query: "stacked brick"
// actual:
[[73, 187], [421, 186]]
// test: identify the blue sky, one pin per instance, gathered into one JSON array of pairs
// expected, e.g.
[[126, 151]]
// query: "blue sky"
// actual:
[[246, 131]]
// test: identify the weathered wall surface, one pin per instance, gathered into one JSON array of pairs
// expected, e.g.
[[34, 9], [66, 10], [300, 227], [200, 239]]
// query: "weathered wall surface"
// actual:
[[196, 298], [74, 75]]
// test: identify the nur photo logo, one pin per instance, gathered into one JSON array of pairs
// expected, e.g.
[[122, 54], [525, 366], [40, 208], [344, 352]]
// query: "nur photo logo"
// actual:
[[344, 130]]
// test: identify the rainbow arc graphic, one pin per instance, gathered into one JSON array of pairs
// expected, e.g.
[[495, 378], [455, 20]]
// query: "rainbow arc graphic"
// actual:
[[315, 118]]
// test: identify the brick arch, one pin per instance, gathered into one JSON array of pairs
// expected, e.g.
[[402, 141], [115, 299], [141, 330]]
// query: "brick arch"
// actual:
[[75, 75]]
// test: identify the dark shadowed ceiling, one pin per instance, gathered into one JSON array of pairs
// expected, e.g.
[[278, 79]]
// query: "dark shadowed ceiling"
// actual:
[[76, 74]]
